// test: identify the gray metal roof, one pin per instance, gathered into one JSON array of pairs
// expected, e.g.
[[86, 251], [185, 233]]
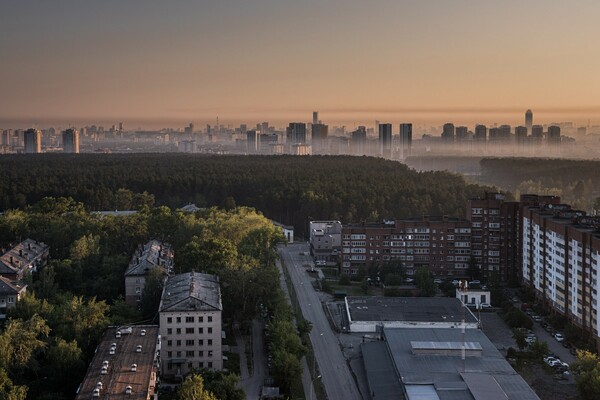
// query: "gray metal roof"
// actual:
[[191, 291], [452, 377], [383, 381], [409, 309], [155, 253]]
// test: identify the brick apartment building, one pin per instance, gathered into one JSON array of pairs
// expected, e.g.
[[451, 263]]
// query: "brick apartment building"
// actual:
[[441, 244]]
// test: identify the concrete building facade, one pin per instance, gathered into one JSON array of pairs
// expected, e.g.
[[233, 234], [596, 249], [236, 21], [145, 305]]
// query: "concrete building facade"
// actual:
[[154, 254]]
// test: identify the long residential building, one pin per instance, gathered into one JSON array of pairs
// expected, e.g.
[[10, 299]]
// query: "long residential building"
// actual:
[[190, 324], [440, 244], [24, 258], [561, 260]]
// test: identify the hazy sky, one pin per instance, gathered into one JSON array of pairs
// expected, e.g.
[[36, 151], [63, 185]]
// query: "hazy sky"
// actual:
[[166, 62]]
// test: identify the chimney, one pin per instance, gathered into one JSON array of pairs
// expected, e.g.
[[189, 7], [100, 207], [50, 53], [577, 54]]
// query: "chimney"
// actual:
[[29, 246], [20, 252]]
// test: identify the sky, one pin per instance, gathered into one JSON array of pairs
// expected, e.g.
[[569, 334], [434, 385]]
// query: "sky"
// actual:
[[166, 63]]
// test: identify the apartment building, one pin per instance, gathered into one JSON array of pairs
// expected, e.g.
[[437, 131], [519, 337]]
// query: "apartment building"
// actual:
[[190, 324], [10, 293], [561, 260], [440, 244], [26, 257], [325, 240], [495, 233], [154, 254]]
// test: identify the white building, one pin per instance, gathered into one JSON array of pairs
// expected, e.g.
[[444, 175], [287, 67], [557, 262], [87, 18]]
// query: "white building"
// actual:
[[287, 230], [325, 240], [190, 324], [154, 254], [474, 297]]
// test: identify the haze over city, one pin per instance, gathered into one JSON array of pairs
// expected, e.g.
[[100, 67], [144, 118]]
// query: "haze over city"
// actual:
[[159, 64]]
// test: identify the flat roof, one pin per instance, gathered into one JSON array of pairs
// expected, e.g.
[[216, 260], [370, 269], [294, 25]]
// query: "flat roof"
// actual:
[[482, 377], [383, 381], [409, 309], [119, 374]]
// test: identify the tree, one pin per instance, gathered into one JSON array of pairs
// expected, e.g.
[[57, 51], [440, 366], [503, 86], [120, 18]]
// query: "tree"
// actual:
[[520, 338], [21, 340], [539, 349], [209, 255], [9, 391], [64, 356], [192, 388], [85, 247], [587, 374], [424, 281], [152, 292], [286, 368], [223, 385]]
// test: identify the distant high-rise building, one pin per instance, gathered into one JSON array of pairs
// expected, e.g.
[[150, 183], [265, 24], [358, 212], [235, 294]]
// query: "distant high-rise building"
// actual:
[[385, 140], [120, 126], [405, 139], [537, 133], [480, 133], [264, 128], [188, 130], [528, 120], [315, 117], [554, 134], [319, 138], [359, 140], [448, 132], [462, 133], [251, 141], [33, 141], [504, 131], [70, 139], [520, 134], [243, 129], [6, 135], [296, 133]]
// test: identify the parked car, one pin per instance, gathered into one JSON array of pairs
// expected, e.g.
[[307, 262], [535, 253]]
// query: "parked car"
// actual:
[[409, 280], [559, 337], [531, 339], [486, 305], [475, 282], [536, 318], [455, 282], [437, 281]]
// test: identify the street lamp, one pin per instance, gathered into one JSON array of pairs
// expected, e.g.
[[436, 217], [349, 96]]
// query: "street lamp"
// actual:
[[313, 386]]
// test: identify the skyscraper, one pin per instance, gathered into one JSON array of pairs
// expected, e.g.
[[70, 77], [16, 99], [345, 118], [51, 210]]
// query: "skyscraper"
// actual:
[[315, 117], [358, 141], [296, 133], [554, 134], [319, 138], [405, 139], [385, 140], [33, 141], [251, 141], [537, 133], [462, 133], [70, 139], [520, 134], [528, 120], [448, 132], [480, 134]]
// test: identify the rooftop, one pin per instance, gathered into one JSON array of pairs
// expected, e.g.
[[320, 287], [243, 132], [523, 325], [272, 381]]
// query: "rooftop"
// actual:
[[191, 291], [154, 253], [8, 286], [483, 375], [119, 374], [408, 309], [21, 256]]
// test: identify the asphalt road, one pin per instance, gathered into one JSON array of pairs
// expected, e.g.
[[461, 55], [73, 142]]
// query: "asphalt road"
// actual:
[[335, 373]]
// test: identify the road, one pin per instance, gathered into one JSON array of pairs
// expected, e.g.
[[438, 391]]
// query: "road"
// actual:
[[252, 383], [335, 373]]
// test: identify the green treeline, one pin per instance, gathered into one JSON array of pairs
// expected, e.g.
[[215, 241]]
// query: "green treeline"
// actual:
[[577, 182], [285, 188], [56, 326]]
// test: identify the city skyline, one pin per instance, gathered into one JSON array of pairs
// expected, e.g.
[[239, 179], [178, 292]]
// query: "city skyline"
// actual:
[[158, 65]]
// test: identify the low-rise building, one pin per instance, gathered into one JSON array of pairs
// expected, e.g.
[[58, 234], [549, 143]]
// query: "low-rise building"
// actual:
[[154, 254], [325, 240], [124, 366], [370, 314], [10, 293], [190, 324], [26, 257], [287, 230], [474, 297]]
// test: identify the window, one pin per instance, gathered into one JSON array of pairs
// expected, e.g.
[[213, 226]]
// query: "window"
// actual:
[[178, 331], [178, 354], [209, 342], [169, 354], [201, 342], [189, 330], [210, 364], [189, 319], [209, 329], [210, 353], [201, 364], [201, 353], [200, 319], [178, 343], [189, 353], [189, 342], [190, 365], [169, 331], [200, 330], [169, 320], [209, 318], [169, 343], [178, 319], [170, 366]]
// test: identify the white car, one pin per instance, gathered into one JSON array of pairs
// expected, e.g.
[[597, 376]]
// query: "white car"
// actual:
[[559, 337], [485, 305]]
